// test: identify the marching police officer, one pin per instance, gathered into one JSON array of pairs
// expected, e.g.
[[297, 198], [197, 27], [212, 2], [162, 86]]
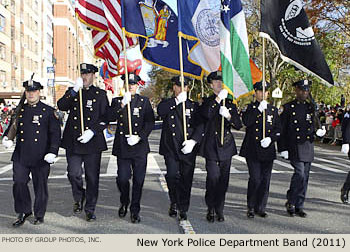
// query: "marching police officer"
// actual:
[[37, 142], [218, 155], [344, 193], [297, 144], [258, 150], [179, 155], [131, 150], [87, 147]]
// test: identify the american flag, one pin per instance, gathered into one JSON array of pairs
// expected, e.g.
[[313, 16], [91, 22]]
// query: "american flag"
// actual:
[[104, 18]]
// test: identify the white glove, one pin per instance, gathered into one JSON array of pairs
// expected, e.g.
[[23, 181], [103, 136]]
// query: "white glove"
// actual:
[[284, 154], [321, 132], [133, 139], [78, 84], [262, 105], [182, 97], [345, 148], [86, 136], [126, 98], [188, 146], [50, 158], [265, 142], [225, 112], [6, 142], [222, 94]]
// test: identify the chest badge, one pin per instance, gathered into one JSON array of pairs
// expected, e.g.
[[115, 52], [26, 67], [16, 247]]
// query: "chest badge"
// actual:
[[89, 103], [35, 119], [136, 112], [188, 112], [269, 118], [308, 117]]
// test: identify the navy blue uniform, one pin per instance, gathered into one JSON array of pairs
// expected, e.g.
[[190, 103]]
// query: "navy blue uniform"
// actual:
[[180, 167], [259, 159], [95, 105], [218, 157], [345, 127], [297, 137], [38, 133], [131, 159]]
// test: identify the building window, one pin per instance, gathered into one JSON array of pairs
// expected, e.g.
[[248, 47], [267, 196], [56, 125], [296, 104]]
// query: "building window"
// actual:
[[2, 23], [2, 51], [49, 40], [2, 76]]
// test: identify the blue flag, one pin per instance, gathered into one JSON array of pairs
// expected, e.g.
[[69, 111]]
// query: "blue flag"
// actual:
[[155, 22]]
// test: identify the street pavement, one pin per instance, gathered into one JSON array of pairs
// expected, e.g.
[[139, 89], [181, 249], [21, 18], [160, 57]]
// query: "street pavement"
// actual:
[[326, 214]]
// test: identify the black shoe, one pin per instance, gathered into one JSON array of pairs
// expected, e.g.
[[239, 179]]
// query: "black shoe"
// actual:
[[300, 213], [123, 209], [250, 213], [210, 215], [90, 217], [172, 210], [78, 206], [344, 196], [183, 216], [135, 218], [21, 218], [38, 220], [262, 214], [220, 217], [290, 209]]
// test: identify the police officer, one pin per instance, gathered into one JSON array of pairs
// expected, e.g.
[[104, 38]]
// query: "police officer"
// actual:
[[217, 155], [344, 193], [131, 150], [179, 155], [37, 142], [259, 150], [297, 144], [87, 147]]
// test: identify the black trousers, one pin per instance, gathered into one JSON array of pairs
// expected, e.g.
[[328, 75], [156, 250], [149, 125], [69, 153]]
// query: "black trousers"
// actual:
[[179, 180], [346, 185], [92, 163], [258, 184], [298, 184], [21, 193], [218, 175], [135, 167]]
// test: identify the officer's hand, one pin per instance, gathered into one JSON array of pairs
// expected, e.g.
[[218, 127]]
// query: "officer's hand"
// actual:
[[126, 98], [86, 136], [6, 142], [321, 132], [265, 142], [262, 105], [284, 154], [78, 84], [221, 95], [50, 158], [225, 112], [345, 148], [133, 139], [182, 97], [188, 146]]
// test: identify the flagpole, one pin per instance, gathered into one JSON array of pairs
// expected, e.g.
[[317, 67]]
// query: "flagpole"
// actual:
[[222, 125], [126, 80], [80, 90], [264, 83], [182, 88]]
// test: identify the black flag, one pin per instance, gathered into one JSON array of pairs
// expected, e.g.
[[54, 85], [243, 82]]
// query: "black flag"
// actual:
[[285, 23]]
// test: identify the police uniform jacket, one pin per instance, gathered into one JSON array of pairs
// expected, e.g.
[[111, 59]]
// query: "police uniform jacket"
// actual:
[[142, 121], [253, 120], [297, 121], [38, 133], [95, 105], [172, 135], [211, 147], [345, 128]]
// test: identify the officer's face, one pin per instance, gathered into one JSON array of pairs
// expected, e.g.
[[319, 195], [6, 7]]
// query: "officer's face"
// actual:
[[133, 88], [216, 85], [88, 79], [301, 94], [177, 89], [259, 95], [33, 96]]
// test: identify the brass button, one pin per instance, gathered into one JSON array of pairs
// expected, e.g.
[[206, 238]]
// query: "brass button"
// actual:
[[293, 113], [216, 133], [257, 122], [297, 129], [75, 99], [75, 118], [308, 137], [37, 131], [75, 108], [121, 124], [75, 127], [121, 116], [40, 116], [295, 121], [136, 125], [174, 134], [21, 131], [94, 100], [121, 133], [135, 133], [257, 138], [172, 117], [254, 106], [298, 137], [86, 127], [22, 110], [44, 109], [173, 125], [256, 130], [269, 131], [308, 129], [91, 109], [292, 105], [22, 140], [38, 124], [21, 124], [20, 116], [36, 140], [97, 92], [88, 118]]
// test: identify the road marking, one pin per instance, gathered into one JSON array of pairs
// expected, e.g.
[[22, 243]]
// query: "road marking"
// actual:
[[112, 166], [5, 168], [331, 162], [242, 159], [152, 165], [327, 168]]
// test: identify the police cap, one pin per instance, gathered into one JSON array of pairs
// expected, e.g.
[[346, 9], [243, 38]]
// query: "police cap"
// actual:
[[259, 85], [87, 68], [177, 80], [31, 85], [214, 76], [303, 84], [133, 78]]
